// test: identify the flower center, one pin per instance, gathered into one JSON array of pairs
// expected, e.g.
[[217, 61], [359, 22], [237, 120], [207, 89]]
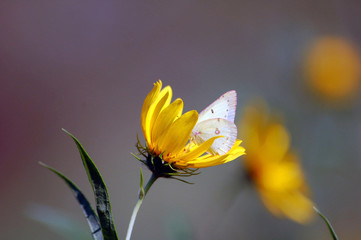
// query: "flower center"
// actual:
[[159, 167]]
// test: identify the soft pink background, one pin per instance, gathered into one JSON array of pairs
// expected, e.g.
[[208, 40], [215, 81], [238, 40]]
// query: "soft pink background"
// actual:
[[87, 66]]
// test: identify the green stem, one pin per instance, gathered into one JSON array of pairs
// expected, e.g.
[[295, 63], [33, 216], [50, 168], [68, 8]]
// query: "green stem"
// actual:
[[138, 204]]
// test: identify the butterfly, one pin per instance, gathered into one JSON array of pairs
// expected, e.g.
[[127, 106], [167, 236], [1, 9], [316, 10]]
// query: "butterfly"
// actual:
[[218, 120]]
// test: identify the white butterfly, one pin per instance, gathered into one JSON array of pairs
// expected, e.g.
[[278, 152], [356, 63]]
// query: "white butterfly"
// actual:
[[218, 120]]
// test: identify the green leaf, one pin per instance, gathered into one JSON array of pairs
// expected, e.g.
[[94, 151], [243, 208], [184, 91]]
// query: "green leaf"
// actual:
[[141, 191], [332, 231], [100, 192], [88, 211]]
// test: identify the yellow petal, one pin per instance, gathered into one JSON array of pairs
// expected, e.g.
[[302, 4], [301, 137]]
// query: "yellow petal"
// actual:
[[164, 98], [195, 151], [285, 175], [208, 161], [165, 120], [161, 101], [277, 142], [298, 207], [292, 204], [178, 133], [152, 95], [235, 152]]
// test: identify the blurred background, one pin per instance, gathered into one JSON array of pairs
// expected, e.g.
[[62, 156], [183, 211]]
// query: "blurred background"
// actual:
[[87, 66]]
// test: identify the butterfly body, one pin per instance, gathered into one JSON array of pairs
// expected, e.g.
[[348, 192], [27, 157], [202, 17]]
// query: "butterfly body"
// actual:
[[218, 120]]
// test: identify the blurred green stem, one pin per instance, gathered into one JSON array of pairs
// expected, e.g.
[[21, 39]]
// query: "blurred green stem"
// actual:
[[139, 203]]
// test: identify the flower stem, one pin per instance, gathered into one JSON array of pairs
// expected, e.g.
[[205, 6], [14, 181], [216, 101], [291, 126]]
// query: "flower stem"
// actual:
[[138, 204]]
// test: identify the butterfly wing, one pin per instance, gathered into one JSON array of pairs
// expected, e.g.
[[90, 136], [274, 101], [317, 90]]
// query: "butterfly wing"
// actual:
[[216, 127], [223, 107]]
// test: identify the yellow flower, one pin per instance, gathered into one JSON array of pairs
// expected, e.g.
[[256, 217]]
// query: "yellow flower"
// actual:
[[332, 68], [273, 168], [167, 133]]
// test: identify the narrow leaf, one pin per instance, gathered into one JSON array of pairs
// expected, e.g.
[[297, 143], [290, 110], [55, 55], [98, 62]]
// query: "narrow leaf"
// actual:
[[332, 231], [100, 192], [88, 211], [141, 191]]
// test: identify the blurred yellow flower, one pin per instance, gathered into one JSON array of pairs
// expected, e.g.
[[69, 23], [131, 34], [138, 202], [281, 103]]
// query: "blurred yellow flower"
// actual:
[[168, 136], [332, 68], [272, 167]]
